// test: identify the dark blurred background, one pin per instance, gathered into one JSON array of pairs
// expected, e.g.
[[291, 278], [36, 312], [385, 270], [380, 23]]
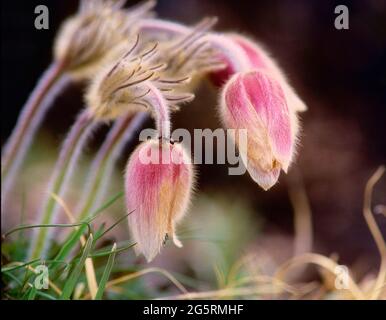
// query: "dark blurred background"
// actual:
[[341, 74]]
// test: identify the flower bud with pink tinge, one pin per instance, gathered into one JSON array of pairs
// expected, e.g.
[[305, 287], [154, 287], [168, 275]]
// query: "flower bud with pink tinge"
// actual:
[[158, 185], [258, 58], [256, 101]]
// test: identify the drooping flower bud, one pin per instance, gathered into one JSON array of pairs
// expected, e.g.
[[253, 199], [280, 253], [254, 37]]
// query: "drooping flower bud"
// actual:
[[134, 82], [261, 59], [85, 39], [256, 101], [158, 184], [257, 58], [191, 52]]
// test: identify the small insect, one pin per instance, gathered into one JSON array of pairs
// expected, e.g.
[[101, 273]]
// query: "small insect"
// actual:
[[166, 239]]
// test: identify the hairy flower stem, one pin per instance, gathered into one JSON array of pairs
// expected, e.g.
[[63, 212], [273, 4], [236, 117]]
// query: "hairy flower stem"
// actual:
[[52, 82], [122, 131], [236, 58], [68, 157], [160, 109]]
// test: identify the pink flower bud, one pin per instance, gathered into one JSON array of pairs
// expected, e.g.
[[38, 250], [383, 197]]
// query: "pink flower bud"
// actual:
[[158, 183], [255, 101], [261, 59], [257, 58]]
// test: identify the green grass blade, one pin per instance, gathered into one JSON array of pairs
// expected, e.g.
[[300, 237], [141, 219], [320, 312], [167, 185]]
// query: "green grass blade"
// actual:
[[68, 245], [114, 225], [106, 273], [105, 253], [32, 293], [57, 225], [14, 278], [74, 237], [11, 266], [74, 275], [45, 295], [100, 230], [104, 206]]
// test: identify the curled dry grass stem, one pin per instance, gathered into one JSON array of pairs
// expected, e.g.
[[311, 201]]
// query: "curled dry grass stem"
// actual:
[[322, 261], [330, 265], [268, 280], [376, 232], [133, 275], [302, 214], [308, 288], [254, 291], [233, 281], [235, 268]]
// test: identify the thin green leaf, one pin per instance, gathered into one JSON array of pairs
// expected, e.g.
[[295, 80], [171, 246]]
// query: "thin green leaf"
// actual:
[[73, 278], [100, 230], [105, 206], [68, 245], [32, 293], [74, 237], [115, 224], [105, 253], [25, 291], [14, 278], [45, 295], [10, 266], [106, 273], [58, 225]]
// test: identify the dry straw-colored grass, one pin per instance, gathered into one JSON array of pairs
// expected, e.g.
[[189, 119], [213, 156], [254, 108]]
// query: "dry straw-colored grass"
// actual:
[[276, 287]]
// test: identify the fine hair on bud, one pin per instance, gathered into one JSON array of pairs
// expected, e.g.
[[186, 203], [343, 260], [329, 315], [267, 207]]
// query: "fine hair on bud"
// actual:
[[158, 193], [255, 101], [85, 39]]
